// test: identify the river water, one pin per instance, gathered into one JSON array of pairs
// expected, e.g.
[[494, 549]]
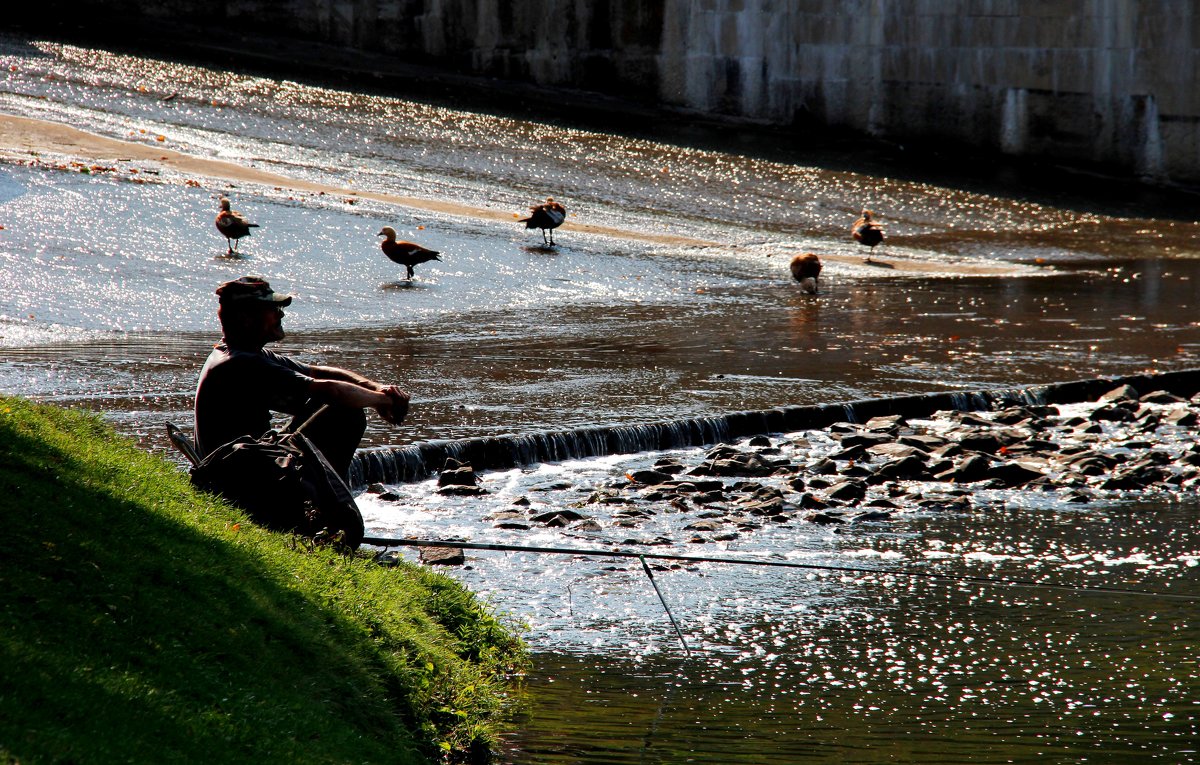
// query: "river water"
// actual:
[[107, 303]]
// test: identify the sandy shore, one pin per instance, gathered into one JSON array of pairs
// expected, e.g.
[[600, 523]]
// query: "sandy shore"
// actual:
[[21, 137]]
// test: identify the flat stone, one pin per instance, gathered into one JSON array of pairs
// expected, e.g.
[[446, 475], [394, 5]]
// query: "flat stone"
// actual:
[[442, 556]]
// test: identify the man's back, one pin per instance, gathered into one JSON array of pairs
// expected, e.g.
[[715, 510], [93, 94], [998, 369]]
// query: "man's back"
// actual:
[[239, 389]]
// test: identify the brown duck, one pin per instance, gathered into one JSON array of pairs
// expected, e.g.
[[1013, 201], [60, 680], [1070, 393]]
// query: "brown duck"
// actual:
[[232, 225], [805, 269], [406, 254], [867, 232]]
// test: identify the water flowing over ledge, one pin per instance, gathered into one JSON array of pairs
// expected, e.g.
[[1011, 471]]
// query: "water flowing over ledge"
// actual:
[[424, 459]]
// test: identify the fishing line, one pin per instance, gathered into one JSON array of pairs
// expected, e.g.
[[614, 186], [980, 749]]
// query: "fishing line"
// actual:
[[933, 575], [661, 599]]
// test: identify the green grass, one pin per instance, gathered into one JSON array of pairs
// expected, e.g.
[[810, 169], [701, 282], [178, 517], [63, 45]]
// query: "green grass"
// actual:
[[141, 621]]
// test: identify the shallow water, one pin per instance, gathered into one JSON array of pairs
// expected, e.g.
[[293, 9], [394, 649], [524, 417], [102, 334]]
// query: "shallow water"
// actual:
[[106, 302]]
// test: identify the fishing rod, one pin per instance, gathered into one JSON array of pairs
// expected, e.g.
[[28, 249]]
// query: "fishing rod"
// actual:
[[934, 575]]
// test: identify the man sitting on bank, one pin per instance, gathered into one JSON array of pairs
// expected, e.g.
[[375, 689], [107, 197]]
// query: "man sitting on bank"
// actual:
[[242, 382]]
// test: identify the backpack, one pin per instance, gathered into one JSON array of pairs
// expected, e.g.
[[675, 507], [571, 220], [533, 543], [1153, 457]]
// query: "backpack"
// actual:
[[282, 481]]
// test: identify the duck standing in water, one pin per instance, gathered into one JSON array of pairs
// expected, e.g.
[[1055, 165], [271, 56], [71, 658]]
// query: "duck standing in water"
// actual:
[[547, 217], [805, 269], [232, 225], [867, 232], [406, 254]]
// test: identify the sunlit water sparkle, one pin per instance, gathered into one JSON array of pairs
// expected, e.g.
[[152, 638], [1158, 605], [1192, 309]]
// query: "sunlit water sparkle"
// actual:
[[106, 302]]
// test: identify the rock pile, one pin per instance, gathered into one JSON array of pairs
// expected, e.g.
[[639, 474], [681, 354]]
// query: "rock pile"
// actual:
[[856, 473]]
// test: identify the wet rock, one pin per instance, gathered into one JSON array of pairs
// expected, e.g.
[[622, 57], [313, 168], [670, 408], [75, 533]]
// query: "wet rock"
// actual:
[[388, 496], [727, 536], [513, 525], [923, 441], [872, 515], [1013, 415], [678, 506], [1120, 393], [521, 502], [709, 525], [553, 486], [819, 483], [458, 490], [708, 497], [589, 524], [701, 485], [864, 439], [635, 513], [936, 468], [456, 473], [1031, 446], [973, 468], [660, 494], [769, 506], [970, 419], [1112, 414], [1180, 416], [441, 556], [954, 504], [980, 441], [565, 515], [823, 519], [1089, 463], [506, 515], [809, 502], [911, 468], [648, 477], [949, 451], [744, 464], [1013, 474], [893, 450], [796, 484], [848, 491], [760, 441], [669, 466], [376, 488], [824, 467], [855, 470], [890, 422]]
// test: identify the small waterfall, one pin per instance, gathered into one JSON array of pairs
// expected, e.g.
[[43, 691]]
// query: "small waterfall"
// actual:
[[421, 460]]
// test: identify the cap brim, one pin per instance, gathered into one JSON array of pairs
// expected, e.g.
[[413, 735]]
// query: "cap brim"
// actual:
[[274, 299]]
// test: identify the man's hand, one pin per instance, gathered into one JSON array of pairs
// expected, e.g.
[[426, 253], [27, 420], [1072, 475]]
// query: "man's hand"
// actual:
[[396, 409]]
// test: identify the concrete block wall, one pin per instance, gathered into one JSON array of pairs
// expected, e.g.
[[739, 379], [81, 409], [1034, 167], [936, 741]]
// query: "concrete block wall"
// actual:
[[1111, 82]]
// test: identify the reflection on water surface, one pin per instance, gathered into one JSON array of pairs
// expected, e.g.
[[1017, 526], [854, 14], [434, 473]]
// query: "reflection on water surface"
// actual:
[[504, 338]]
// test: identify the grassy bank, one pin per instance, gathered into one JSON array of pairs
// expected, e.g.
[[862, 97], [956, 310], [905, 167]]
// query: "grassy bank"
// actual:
[[143, 622]]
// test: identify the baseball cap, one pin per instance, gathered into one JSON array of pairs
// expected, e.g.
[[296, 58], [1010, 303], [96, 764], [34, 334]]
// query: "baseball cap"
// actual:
[[251, 288]]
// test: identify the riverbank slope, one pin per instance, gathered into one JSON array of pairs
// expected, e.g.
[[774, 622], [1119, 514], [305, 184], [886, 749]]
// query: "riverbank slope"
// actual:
[[143, 621]]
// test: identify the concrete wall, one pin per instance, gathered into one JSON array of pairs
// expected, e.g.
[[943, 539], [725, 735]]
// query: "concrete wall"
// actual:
[[1104, 81]]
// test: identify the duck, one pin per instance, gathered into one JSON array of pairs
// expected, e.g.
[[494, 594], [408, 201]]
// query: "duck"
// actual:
[[867, 232], [232, 225], [547, 216], [805, 269], [407, 254]]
